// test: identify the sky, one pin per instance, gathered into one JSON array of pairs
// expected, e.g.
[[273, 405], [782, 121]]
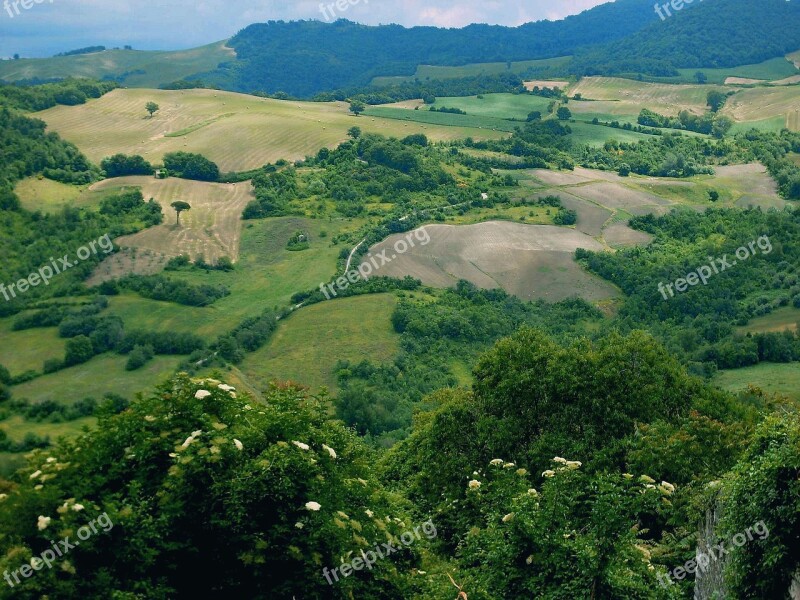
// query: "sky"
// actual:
[[46, 27]]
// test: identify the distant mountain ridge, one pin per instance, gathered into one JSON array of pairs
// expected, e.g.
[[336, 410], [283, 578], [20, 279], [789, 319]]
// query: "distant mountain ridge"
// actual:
[[304, 58], [715, 33]]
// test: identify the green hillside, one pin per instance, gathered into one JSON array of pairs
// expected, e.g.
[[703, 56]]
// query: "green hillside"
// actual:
[[132, 68]]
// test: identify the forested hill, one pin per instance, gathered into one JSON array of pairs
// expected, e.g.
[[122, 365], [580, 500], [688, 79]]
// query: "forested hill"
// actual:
[[306, 57], [718, 33]]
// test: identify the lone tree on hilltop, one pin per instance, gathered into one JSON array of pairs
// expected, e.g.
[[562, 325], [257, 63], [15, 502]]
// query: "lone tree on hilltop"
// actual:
[[152, 108], [180, 206]]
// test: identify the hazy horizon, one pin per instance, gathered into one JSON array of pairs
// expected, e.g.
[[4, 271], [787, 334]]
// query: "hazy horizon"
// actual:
[[51, 26]]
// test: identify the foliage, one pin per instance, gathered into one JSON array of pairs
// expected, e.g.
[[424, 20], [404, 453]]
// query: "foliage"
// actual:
[[120, 165], [765, 486], [191, 166], [159, 287], [70, 91], [219, 467]]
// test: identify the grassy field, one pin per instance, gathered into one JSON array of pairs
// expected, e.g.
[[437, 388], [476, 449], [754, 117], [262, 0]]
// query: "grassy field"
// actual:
[[158, 67], [487, 125], [782, 319], [266, 276], [425, 72], [769, 70], [774, 378], [237, 131], [770, 124], [503, 106], [597, 135], [507, 104], [308, 343], [94, 379], [17, 428], [27, 350]]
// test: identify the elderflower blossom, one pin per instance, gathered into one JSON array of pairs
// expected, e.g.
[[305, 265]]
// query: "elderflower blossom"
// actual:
[[200, 394], [300, 445], [315, 506]]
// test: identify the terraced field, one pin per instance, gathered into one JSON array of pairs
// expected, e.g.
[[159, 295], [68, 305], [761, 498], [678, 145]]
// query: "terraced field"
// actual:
[[237, 131]]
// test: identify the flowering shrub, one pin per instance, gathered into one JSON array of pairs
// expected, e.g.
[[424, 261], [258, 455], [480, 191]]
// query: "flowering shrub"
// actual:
[[209, 492]]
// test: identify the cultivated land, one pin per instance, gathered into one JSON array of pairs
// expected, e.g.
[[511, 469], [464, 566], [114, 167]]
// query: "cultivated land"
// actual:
[[211, 228], [237, 131], [529, 261], [759, 103], [135, 68], [266, 276], [307, 345], [620, 97], [495, 119]]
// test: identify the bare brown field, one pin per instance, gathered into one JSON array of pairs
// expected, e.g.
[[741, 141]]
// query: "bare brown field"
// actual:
[[742, 81], [529, 261], [126, 262], [618, 234], [212, 227], [787, 81]]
